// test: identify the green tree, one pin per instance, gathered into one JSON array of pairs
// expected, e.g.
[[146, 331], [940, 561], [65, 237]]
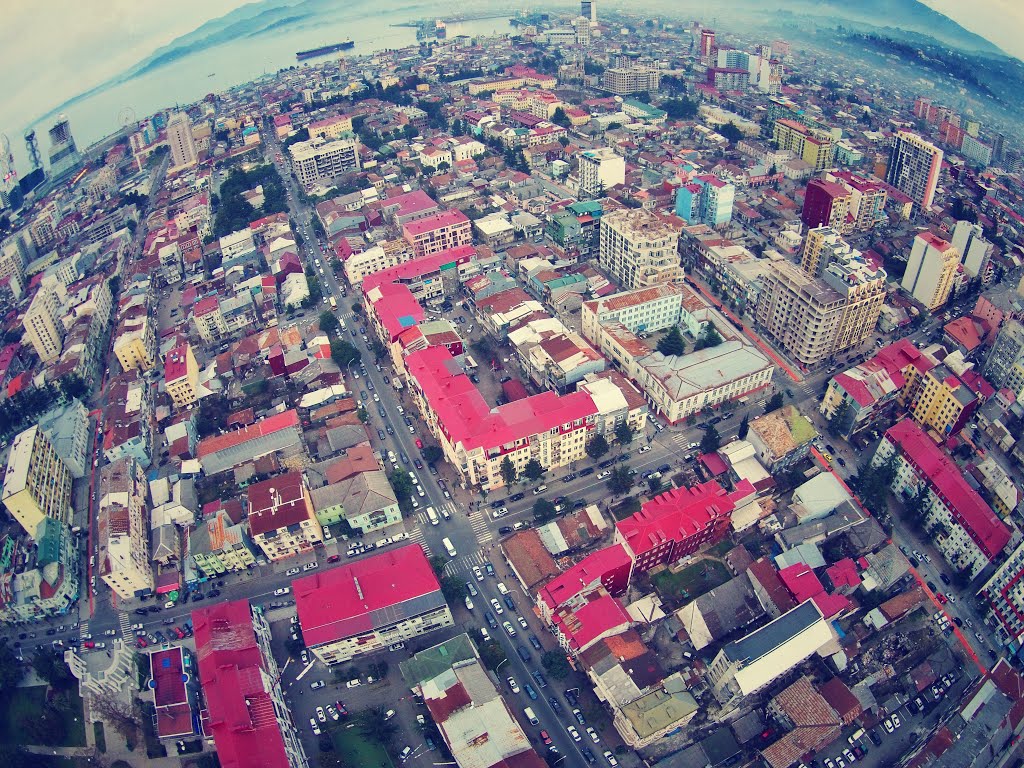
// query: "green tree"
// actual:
[[401, 485], [491, 653], [453, 589], [597, 447], [620, 480], [329, 323], [672, 343], [363, 415], [11, 670], [410, 131], [741, 433], [432, 454], [560, 118], [731, 132], [623, 433], [373, 725], [654, 483], [555, 664], [533, 470], [343, 353], [840, 423], [508, 471], [774, 403], [51, 667], [709, 338], [543, 510], [680, 109], [711, 440], [438, 563], [317, 226], [377, 349]]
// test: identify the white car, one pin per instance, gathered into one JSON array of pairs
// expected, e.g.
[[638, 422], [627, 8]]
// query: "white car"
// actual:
[[310, 566], [497, 606], [419, 491], [895, 720], [389, 714], [593, 735], [333, 713], [509, 628], [574, 733], [604, 474], [320, 715], [353, 684], [513, 685], [315, 727], [282, 591], [610, 758], [644, 449], [316, 686], [888, 725], [478, 573], [499, 512]]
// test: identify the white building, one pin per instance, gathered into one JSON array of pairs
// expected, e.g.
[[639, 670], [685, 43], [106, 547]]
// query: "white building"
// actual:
[[638, 248], [600, 170], [123, 557], [179, 139], [321, 160], [44, 329], [931, 270], [975, 251]]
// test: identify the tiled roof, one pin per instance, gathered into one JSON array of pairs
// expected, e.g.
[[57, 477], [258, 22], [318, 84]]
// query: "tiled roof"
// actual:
[[528, 556], [675, 515], [269, 425]]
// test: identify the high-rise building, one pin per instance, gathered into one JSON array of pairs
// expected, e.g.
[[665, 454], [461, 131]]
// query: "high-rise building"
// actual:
[[867, 200], [826, 203], [439, 232], [706, 199], [44, 329], [588, 9], [600, 170], [1006, 355], [622, 81], [321, 160], [976, 151], [639, 249], [181, 376], [975, 251], [822, 246], [931, 269], [1004, 595], [124, 528], [179, 138], [813, 145], [914, 167], [37, 484], [707, 43], [64, 156]]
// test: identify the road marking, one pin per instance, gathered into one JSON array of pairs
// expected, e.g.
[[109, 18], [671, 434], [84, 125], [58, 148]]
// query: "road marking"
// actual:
[[302, 674]]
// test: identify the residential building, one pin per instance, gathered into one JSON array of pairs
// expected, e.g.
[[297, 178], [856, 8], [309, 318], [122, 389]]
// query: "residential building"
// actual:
[[37, 484], [281, 518], [281, 432], [135, 340], [705, 199], [643, 310], [600, 170], [811, 721], [331, 127], [44, 329], [965, 529], [639, 248], [218, 546], [868, 198], [174, 692], [70, 431], [1005, 364], [623, 81], [747, 665], [1003, 598], [319, 160], [914, 168], [812, 145], [208, 319], [822, 246], [552, 356], [181, 376], [123, 557], [826, 204], [942, 402], [369, 604], [975, 251], [781, 438], [439, 232], [430, 279], [180, 140], [376, 258], [246, 712], [366, 501], [931, 270]]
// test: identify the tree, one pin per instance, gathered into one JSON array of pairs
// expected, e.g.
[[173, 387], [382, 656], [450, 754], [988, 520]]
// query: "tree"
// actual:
[[840, 423], [11, 670], [357, 308], [543, 510], [962, 577], [597, 447], [709, 338], [711, 440], [51, 667], [620, 480], [672, 343], [491, 654], [453, 589], [774, 403], [343, 353], [410, 131], [654, 483], [741, 433], [329, 323], [432, 454], [317, 226], [377, 348], [555, 664], [373, 726], [401, 485], [508, 471], [680, 109], [623, 433], [560, 118], [533, 470], [363, 415], [122, 715], [731, 132]]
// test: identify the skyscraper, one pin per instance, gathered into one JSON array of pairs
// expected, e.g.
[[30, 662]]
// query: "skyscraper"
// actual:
[[975, 251], [707, 43], [64, 157], [826, 203], [588, 9], [930, 270], [179, 137], [914, 168]]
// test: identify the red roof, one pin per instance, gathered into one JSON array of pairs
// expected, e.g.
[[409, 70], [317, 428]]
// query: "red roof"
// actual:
[[396, 308], [586, 624], [967, 507], [585, 575], [800, 581], [426, 265], [676, 515], [764, 572], [205, 306], [268, 426], [173, 713], [934, 241], [344, 601], [438, 220], [239, 710], [277, 503], [176, 363], [843, 574]]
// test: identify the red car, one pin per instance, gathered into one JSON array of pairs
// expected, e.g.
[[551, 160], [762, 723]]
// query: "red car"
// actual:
[[333, 558], [141, 642], [88, 644], [942, 598], [179, 632], [419, 443], [544, 737]]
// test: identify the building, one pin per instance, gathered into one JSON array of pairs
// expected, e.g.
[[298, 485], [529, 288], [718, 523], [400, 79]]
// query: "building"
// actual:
[[975, 251], [319, 160], [439, 232], [173, 684], [747, 665], [812, 145], [705, 199], [365, 501], [826, 204], [1005, 364], [639, 248], [868, 198], [914, 168], [180, 140], [331, 127], [64, 156], [181, 376], [781, 438], [811, 721], [822, 246], [135, 340], [588, 9], [123, 533], [37, 484], [600, 170], [931, 270], [622, 81], [246, 712], [41, 574], [44, 329], [280, 432], [966, 530], [218, 545], [942, 402], [70, 432], [281, 518], [367, 605]]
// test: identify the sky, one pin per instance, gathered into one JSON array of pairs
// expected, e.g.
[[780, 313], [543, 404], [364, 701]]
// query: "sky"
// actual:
[[84, 43]]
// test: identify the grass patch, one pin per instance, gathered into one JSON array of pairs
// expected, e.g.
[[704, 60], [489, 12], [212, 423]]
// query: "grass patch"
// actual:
[[721, 549], [691, 582], [28, 703], [352, 744]]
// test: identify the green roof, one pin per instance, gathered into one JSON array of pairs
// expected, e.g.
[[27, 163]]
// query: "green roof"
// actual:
[[660, 709], [588, 206], [431, 662]]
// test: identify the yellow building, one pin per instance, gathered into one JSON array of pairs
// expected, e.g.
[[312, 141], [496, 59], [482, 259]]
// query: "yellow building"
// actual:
[[812, 145], [37, 483], [181, 376], [135, 342], [942, 402]]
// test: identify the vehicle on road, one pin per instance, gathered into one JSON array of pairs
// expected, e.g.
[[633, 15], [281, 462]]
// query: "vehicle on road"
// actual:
[[316, 686], [513, 685]]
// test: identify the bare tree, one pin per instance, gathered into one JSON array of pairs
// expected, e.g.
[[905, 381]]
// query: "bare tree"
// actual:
[[122, 716]]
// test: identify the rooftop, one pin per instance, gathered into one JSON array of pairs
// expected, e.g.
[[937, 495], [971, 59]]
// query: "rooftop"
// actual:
[[774, 634], [676, 515]]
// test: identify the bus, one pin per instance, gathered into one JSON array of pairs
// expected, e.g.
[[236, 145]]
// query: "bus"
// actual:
[[449, 547], [334, 303]]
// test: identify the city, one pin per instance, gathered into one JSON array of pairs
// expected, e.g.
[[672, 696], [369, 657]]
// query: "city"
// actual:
[[607, 391]]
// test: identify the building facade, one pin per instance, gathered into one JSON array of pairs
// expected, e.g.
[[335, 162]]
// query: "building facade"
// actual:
[[123, 558], [600, 170], [914, 168], [319, 160], [639, 249], [37, 484], [281, 517], [440, 232], [931, 270], [180, 140], [44, 329]]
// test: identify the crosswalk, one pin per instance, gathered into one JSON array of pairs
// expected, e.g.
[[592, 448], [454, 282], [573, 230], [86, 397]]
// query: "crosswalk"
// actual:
[[464, 563], [417, 536], [480, 530], [126, 625], [806, 388], [83, 629]]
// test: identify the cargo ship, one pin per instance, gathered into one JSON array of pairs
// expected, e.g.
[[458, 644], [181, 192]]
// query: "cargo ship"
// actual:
[[324, 50]]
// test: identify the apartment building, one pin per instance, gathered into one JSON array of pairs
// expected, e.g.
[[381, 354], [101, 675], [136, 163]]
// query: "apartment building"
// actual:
[[44, 329], [623, 81], [975, 251], [282, 521], [330, 127], [868, 198], [600, 170], [931, 270], [813, 145], [822, 246], [1004, 366], [124, 556], [942, 402], [280, 432], [246, 711], [181, 376], [646, 310], [965, 529], [180, 140], [135, 340], [914, 168], [369, 604], [360, 264], [440, 232], [37, 484], [826, 204], [208, 319], [705, 199], [321, 160], [639, 248], [1003, 598], [218, 545]]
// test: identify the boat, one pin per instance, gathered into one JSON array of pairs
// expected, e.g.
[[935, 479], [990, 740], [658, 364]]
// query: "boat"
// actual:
[[323, 50]]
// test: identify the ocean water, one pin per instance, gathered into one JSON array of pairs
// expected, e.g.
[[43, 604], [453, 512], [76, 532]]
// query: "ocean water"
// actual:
[[205, 69]]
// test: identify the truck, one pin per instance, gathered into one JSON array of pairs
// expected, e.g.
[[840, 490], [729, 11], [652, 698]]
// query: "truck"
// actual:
[[334, 303], [449, 547], [432, 516]]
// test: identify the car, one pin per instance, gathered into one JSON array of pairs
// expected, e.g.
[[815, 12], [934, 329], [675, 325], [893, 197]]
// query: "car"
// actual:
[[849, 756], [139, 642], [478, 573], [317, 685], [517, 497], [471, 588], [587, 755], [544, 737], [574, 733], [311, 566], [211, 593], [644, 449], [509, 628], [321, 715], [829, 763], [610, 758], [665, 468], [522, 622], [417, 463], [593, 735], [491, 620], [499, 512], [541, 680], [876, 739], [513, 685], [313, 724], [579, 716], [141, 611], [333, 713], [389, 714], [535, 643], [506, 529], [489, 569], [396, 646], [569, 478], [497, 606], [887, 724], [404, 754], [419, 443], [509, 602], [571, 697], [381, 435], [587, 472], [895, 720], [931, 586], [292, 571], [353, 684], [841, 461], [278, 592], [530, 692], [389, 428]]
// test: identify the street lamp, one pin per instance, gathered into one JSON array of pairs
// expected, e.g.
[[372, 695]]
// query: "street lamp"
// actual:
[[499, 665]]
